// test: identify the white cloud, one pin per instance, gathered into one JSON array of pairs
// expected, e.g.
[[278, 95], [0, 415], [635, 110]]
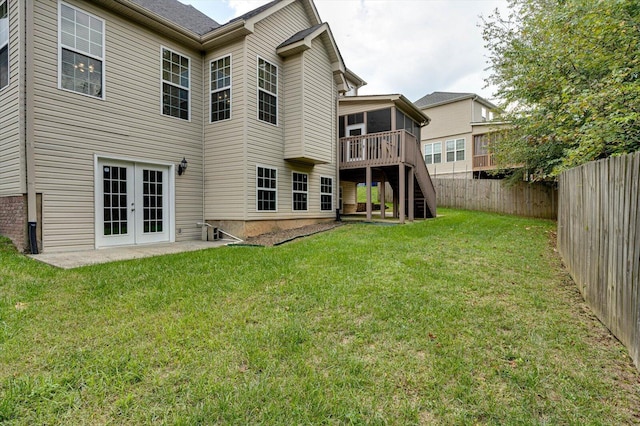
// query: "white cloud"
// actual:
[[412, 47]]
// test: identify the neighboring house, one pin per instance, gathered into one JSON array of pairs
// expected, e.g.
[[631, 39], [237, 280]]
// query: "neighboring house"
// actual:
[[456, 142], [101, 100], [380, 142]]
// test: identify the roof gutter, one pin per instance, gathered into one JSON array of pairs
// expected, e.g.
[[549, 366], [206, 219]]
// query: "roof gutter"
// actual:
[[225, 33], [154, 21]]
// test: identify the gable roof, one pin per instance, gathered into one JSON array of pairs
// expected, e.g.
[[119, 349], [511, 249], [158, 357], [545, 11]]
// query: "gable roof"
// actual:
[[400, 101], [300, 36], [254, 12], [302, 40], [186, 16], [442, 98]]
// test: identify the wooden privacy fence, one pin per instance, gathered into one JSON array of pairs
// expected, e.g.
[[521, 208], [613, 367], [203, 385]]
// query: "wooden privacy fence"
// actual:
[[491, 195], [599, 241]]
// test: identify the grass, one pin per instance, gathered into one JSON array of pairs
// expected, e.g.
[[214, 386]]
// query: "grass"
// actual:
[[465, 319]]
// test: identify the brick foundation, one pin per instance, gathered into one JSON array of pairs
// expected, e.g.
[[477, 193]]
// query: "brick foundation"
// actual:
[[13, 220]]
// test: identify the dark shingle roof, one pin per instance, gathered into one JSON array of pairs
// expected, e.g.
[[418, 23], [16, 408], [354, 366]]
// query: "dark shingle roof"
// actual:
[[254, 12], [300, 36], [441, 97], [183, 15]]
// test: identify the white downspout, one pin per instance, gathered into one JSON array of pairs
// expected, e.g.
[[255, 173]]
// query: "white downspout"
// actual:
[[32, 211]]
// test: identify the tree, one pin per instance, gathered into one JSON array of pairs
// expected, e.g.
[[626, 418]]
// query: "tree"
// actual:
[[568, 73]]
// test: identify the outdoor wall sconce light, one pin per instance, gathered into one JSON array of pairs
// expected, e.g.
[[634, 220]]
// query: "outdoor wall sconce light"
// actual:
[[182, 167]]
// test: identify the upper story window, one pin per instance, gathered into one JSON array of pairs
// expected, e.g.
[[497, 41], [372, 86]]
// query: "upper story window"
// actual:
[[266, 188], [483, 114], [267, 92], [221, 89], [300, 188], [175, 84], [326, 193], [455, 150], [433, 153], [4, 44], [81, 52]]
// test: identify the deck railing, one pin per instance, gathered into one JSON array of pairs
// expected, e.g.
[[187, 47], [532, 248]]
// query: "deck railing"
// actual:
[[483, 162], [388, 149], [378, 149]]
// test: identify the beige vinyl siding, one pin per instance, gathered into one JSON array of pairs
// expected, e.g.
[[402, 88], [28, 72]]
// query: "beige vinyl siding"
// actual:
[[224, 150], [449, 119], [309, 92], [70, 128], [293, 106], [347, 108], [12, 174], [265, 142], [446, 169], [319, 103]]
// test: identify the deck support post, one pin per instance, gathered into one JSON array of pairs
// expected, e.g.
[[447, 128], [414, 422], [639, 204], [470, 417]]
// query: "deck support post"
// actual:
[[368, 183], [403, 191], [411, 194], [395, 204], [381, 192]]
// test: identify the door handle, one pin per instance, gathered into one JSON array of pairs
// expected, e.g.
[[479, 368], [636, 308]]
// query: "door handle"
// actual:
[[133, 208]]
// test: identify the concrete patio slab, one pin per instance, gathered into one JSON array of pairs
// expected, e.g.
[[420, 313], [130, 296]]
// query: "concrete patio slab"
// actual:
[[70, 260]]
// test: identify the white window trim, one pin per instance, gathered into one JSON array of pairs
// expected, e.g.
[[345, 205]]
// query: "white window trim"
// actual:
[[8, 49], [162, 80], [455, 150], [266, 189], [101, 59], [295, 191], [211, 92], [327, 193], [258, 89], [97, 179], [433, 153]]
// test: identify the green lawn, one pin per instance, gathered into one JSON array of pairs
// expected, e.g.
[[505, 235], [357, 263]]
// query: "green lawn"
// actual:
[[464, 319]]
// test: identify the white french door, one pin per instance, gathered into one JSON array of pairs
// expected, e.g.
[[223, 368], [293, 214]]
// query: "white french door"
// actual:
[[132, 203]]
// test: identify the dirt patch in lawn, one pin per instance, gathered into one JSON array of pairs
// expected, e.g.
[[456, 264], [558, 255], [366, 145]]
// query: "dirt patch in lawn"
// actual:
[[285, 235]]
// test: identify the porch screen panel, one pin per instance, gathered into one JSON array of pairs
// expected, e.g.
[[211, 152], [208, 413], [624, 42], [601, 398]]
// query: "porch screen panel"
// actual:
[[114, 180], [379, 121], [152, 199]]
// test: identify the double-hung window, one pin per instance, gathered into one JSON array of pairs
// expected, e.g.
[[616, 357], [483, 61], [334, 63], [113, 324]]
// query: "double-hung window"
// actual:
[[221, 89], [455, 150], [4, 44], [175, 84], [326, 193], [300, 190], [81, 52], [267, 92], [266, 189], [433, 153]]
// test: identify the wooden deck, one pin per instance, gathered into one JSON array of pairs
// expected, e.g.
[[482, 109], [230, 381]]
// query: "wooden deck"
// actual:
[[379, 149], [483, 162], [377, 154]]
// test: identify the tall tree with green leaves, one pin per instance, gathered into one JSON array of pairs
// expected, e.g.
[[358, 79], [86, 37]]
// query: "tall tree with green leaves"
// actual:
[[568, 73]]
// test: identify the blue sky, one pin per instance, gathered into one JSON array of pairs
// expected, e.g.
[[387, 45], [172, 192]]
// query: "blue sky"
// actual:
[[411, 47]]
